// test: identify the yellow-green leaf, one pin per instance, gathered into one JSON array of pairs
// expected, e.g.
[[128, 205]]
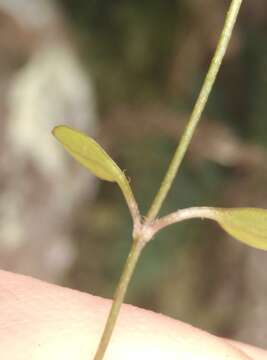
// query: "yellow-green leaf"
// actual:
[[248, 225], [91, 155]]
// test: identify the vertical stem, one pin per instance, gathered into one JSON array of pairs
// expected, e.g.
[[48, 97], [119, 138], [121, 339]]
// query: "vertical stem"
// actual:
[[119, 296], [171, 173], [197, 110]]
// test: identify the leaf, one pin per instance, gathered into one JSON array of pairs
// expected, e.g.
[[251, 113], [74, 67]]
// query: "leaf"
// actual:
[[92, 156], [87, 152], [248, 225]]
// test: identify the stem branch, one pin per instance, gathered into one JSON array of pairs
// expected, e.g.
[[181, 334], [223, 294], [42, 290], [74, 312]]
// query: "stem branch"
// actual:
[[197, 110], [131, 202], [202, 212], [139, 241]]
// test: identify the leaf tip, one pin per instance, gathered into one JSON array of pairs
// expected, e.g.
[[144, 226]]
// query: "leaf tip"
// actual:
[[56, 129]]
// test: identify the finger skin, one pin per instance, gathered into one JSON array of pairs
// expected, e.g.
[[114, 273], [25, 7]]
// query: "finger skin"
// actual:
[[41, 321], [253, 352]]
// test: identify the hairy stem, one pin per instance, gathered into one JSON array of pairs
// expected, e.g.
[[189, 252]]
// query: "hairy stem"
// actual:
[[131, 202], [202, 212], [119, 297], [197, 110], [167, 182]]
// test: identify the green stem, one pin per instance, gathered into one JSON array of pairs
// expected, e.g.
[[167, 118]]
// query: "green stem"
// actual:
[[197, 110], [119, 297], [131, 202], [145, 230], [203, 212]]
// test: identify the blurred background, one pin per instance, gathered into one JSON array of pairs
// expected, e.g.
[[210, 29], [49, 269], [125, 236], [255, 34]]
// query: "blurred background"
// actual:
[[128, 73]]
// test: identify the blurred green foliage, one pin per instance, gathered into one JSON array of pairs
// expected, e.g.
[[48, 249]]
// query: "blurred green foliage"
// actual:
[[128, 44]]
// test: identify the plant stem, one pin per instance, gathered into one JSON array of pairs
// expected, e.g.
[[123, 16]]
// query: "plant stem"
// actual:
[[197, 110], [119, 297], [141, 239], [131, 202], [202, 212]]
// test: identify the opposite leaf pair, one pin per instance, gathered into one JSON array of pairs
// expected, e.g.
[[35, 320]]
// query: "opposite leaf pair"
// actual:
[[248, 225]]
